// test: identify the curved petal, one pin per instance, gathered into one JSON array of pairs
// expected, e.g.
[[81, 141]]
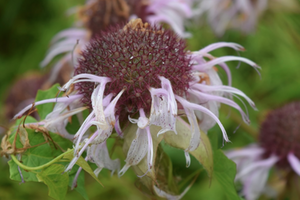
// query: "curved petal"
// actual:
[[294, 162]]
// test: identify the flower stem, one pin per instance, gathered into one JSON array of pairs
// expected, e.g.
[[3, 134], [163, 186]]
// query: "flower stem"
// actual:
[[41, 166]]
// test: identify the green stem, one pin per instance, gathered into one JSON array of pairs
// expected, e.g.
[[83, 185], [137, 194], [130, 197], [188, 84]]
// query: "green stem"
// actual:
[[41, 166]]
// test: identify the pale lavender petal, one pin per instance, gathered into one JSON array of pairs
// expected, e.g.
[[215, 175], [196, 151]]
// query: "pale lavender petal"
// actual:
[[99, 155], [218, 45], [253, 150], [78, 154], [118, 127], [223, 59], [227, 71], [54, 52], [97, 98], [54, 100], [57, 120], [255, 183], [83, 128], [150, 149], [223, 88], [294, 162], [226, 101], [69, 33], [137, 150], [267, 163], [193, 106], [109, 111], [57, 67], [84, 78]]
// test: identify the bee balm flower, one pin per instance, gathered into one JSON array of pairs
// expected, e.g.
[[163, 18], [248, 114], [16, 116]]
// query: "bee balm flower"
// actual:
[[236, 14], [279, 145], [143, 74]]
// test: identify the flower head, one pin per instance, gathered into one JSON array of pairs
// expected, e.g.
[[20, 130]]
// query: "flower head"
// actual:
[[133, 59], [141, 74], [279, 145], [236, 14]]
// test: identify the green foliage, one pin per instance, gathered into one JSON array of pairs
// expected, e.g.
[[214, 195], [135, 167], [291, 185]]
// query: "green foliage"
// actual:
[[82, 163], [80, 182], [42, 153], [45, 109], [56, 180], [44, 146], [224, 173]]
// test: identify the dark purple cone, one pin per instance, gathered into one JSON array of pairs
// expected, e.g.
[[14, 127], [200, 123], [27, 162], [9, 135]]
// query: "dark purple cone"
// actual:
[[280, 133], [133, 59]]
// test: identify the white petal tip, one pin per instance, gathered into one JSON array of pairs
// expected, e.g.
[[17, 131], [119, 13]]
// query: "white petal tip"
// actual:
[[123, 170]]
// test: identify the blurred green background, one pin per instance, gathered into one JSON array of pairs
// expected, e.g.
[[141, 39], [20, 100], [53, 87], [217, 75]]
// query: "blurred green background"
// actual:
[[27, 26]]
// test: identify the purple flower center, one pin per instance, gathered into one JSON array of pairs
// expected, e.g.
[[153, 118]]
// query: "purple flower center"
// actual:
[[134, 57], [280, 132]]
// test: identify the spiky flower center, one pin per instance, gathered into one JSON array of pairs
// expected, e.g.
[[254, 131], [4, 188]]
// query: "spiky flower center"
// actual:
[[280, 132], [134, 57]]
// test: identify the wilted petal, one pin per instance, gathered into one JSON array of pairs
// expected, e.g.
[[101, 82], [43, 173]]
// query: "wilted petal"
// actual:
[[195, 131], [99, 155], [57, 120], [161, 115], [97, 98], [164, 107], [163, 194], [103, 135], [137, 150]]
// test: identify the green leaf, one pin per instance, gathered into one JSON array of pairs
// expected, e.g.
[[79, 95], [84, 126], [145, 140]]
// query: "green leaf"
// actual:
[[80, 182], [73, 126], [82, 163], [224, 173], [56, 180], [182, 140], [15, 175], [38, 155], [45, 109]]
